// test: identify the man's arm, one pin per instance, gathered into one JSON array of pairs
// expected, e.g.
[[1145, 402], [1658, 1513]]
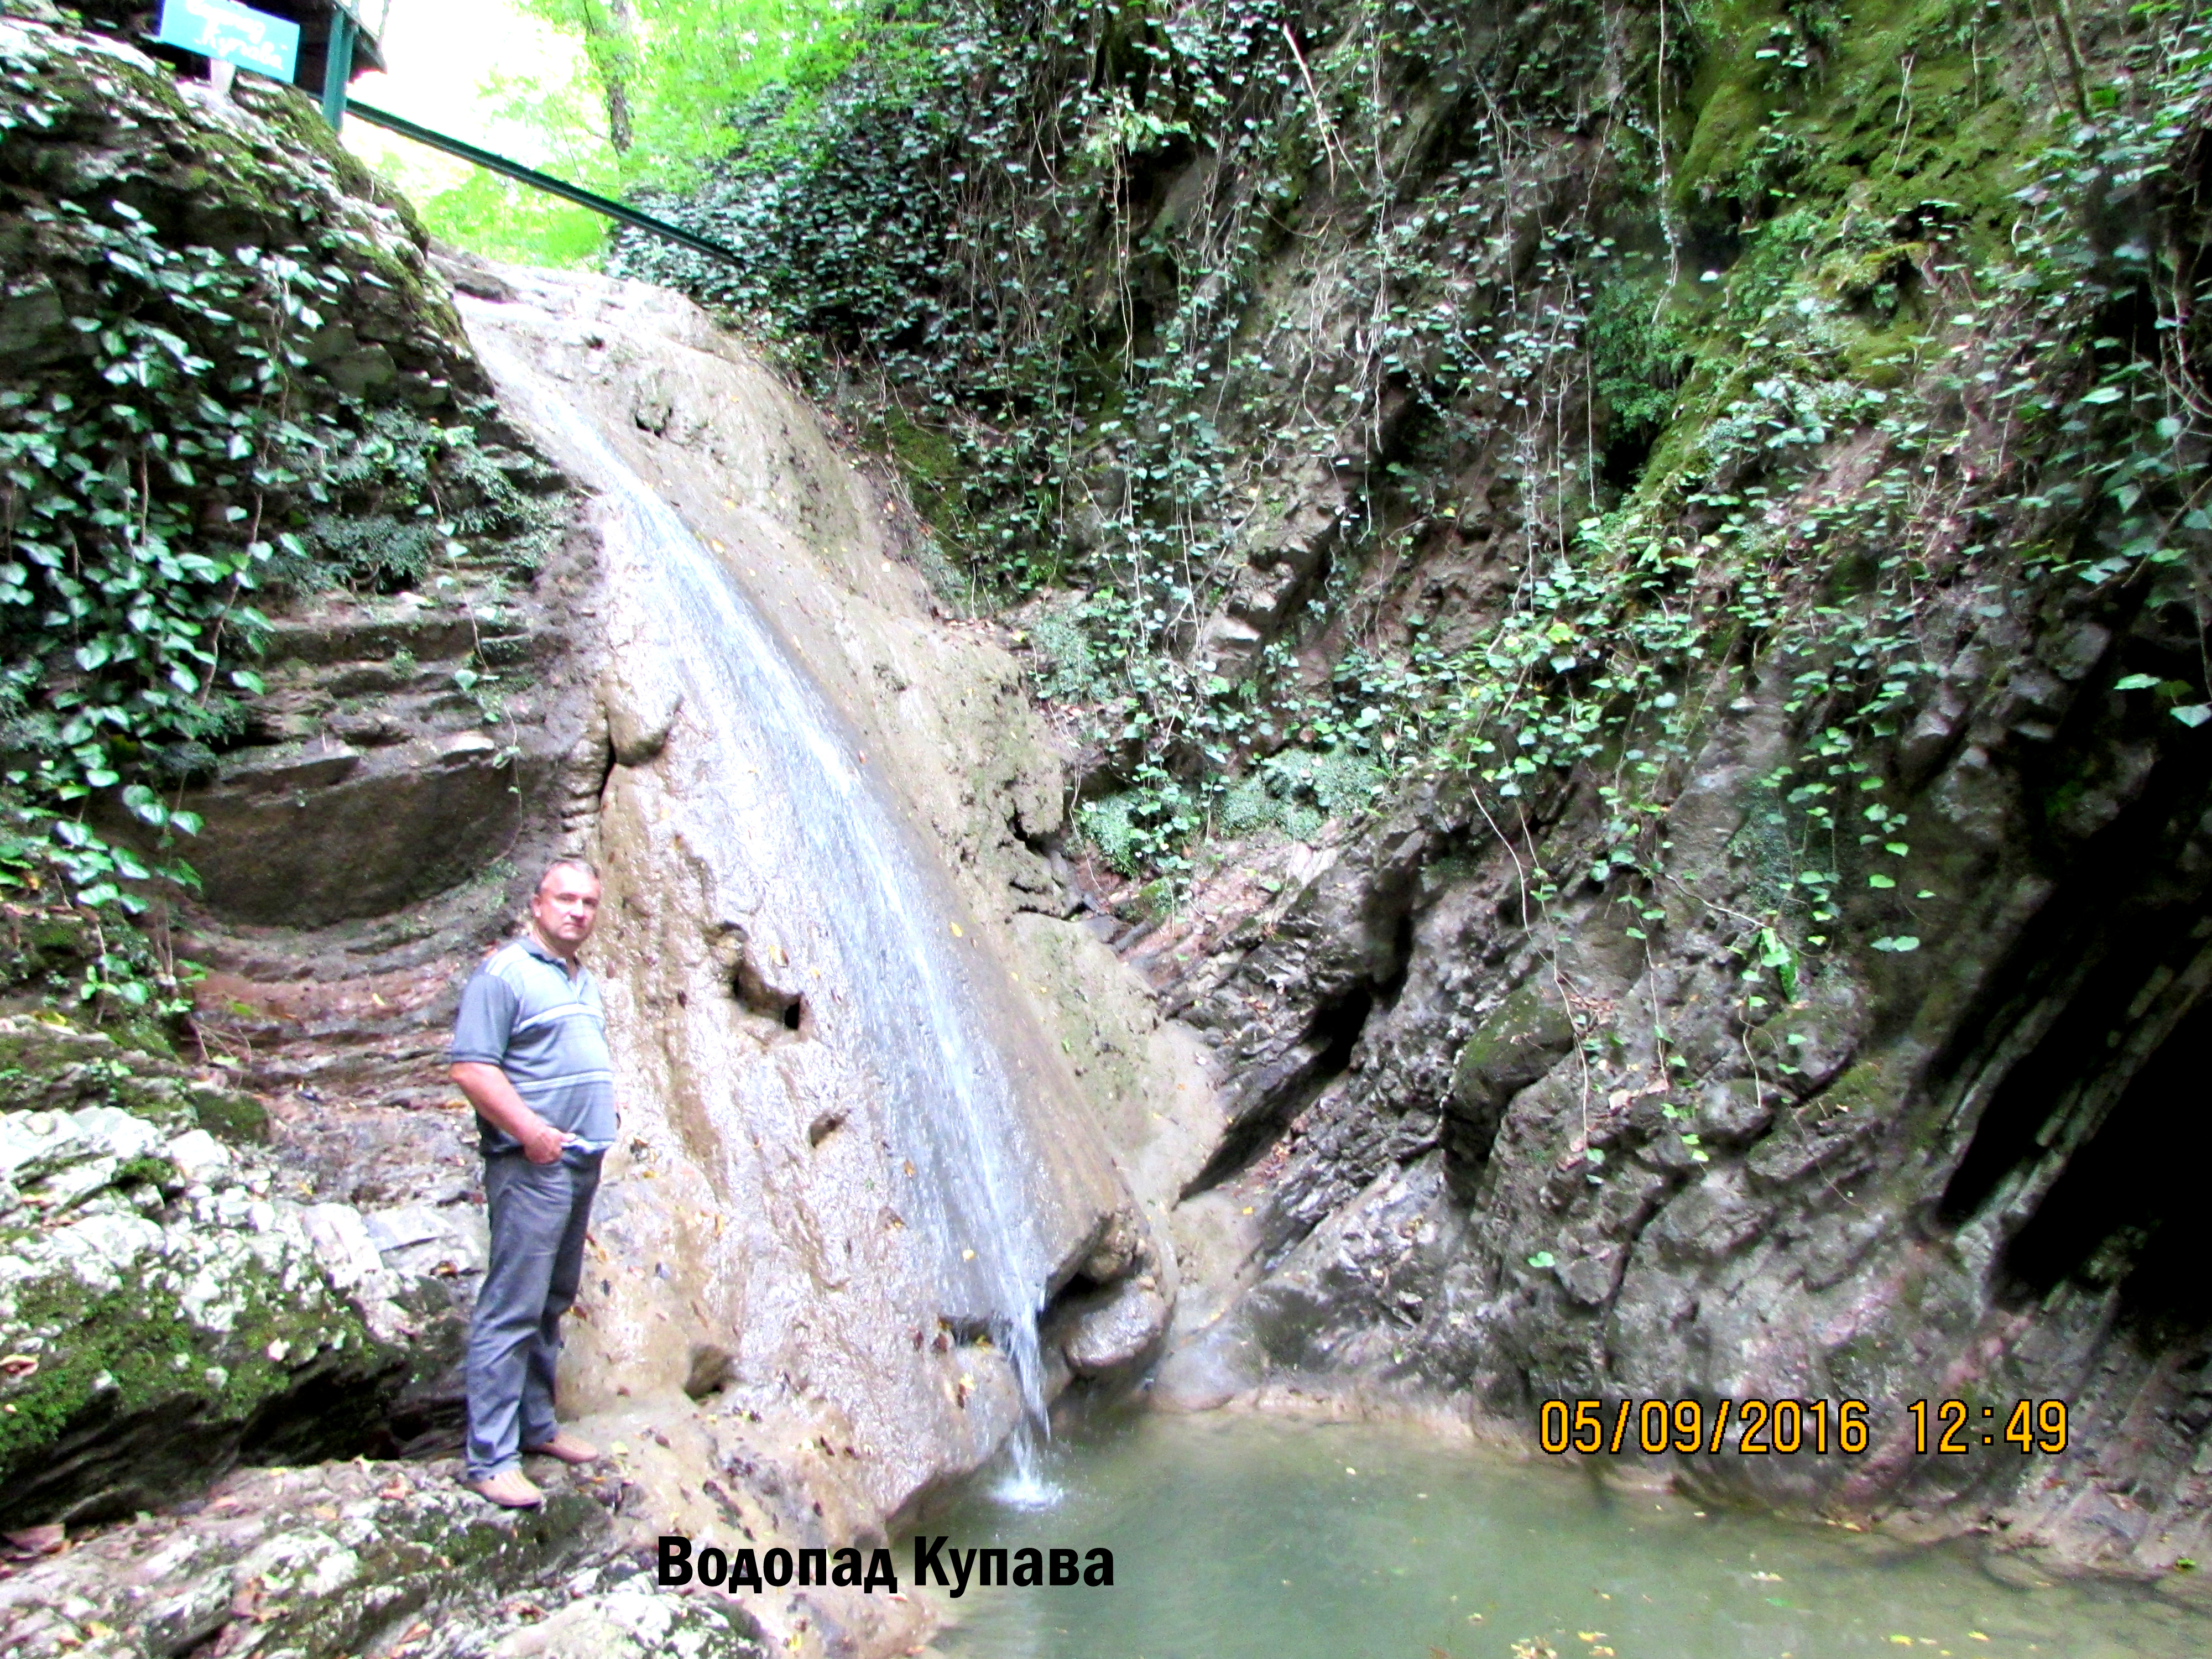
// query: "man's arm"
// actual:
[[491, 1094]]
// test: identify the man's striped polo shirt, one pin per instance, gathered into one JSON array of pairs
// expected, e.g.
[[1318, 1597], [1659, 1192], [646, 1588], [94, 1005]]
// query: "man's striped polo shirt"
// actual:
[[524, 1012]]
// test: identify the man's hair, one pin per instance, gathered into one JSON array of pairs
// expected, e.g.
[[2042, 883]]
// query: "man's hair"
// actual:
[[546, 874]]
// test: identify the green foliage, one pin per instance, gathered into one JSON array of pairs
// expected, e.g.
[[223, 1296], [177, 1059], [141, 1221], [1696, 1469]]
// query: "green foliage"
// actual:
[[1296, 790], [174, 444], [1144, 291], [665, 74], [502, 220], [1067, 668], [1640, 354]]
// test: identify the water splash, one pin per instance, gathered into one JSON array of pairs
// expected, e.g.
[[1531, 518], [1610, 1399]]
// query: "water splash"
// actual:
[[1025, 1486], [908, 1007]]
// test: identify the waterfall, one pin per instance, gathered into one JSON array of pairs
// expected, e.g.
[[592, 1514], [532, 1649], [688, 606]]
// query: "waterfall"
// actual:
[[907, 1005]]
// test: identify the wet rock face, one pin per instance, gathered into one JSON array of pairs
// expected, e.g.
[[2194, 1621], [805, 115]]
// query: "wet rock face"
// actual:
[[1557, 1161], [769, 1239]]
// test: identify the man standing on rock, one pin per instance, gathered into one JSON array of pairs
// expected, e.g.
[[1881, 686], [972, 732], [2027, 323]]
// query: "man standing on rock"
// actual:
[[530, 1051]]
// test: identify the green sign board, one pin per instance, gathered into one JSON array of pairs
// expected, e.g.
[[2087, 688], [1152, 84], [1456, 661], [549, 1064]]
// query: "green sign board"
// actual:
[[237, 34]]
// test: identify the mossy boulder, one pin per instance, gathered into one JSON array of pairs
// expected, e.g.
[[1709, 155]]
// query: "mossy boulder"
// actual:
[[1520, 1041], [163, 1308], [49, 1065], [355, 1557]]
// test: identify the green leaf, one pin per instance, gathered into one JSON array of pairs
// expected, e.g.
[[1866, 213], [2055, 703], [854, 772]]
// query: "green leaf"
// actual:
[[92, 654], [143, 803], [1880, 881], [1543, 1259], [2137, 682], [1899, 944], [2193, 713]]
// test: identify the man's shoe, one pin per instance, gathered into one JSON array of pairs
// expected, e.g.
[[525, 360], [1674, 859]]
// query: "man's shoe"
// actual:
[[568, 1447], [510, 1489]]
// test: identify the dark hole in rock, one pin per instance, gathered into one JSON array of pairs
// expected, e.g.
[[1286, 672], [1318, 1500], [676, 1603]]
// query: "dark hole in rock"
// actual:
[[2123, 917], [712, 1370], [1626, 455], [824, 1127], [786, 1008], [2130, 1209]]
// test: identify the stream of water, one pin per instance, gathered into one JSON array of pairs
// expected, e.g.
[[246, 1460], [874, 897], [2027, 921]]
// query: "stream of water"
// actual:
[[907, 1011], [1236, 1537]]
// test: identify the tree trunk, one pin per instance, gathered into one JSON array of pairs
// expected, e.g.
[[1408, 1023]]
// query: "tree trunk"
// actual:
[[610, 43]]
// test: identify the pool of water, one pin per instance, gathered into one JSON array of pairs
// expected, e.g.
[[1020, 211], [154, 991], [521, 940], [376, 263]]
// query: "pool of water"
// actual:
[[1236, 1537]]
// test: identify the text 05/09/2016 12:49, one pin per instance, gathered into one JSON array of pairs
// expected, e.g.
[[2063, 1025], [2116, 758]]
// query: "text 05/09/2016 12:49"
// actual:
[[1789, 1427]]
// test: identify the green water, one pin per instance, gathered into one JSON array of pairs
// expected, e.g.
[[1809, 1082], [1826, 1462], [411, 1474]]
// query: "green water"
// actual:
[[1243, 1538]]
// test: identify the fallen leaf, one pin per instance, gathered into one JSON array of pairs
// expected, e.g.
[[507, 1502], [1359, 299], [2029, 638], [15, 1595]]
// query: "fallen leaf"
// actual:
[[17, 1366]]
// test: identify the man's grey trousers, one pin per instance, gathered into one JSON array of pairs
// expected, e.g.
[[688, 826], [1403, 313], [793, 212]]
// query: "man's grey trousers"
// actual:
[[539, 1213]]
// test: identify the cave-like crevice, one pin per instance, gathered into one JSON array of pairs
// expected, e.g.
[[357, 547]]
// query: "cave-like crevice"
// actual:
[[2130, 1208], [2079, 1044], [327, 1415], [1336, 1029], [2126, 903]]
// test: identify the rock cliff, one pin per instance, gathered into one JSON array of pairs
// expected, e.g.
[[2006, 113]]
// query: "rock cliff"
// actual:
[[241, 1240], [1627, 587]]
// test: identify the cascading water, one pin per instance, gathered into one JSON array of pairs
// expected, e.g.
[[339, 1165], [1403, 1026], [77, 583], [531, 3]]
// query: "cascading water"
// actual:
[[907, 1005]]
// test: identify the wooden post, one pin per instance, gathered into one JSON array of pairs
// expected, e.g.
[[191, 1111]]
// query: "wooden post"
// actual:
[[337, 67]]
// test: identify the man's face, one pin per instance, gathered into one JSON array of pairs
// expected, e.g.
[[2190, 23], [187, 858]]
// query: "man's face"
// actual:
[[565, 906]]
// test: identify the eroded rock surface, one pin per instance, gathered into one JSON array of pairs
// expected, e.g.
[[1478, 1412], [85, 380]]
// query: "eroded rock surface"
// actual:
[[1508, 1151], [759, 1209], [361, 1557]]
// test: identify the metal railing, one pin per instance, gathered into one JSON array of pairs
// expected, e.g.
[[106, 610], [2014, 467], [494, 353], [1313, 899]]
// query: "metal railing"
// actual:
[[537, 180]]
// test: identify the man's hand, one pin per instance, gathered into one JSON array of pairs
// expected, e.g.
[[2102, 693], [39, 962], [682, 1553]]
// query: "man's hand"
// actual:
[[491, 1094], [543, 1145]]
